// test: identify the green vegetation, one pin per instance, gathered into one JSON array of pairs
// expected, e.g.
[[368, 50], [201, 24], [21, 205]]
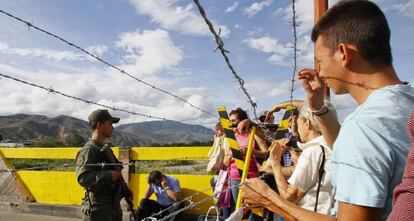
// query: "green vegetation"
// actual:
[[49, 164], [171, 166], [74, 141], [166, 166], [48, 142], [191, 144]]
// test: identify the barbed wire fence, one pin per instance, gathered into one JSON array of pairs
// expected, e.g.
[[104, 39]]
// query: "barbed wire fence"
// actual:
[[295, 50], [219, 46], [107, 63]]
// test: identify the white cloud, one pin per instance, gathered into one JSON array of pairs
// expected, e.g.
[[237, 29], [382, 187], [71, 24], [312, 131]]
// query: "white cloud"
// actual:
[[104, 87], [406, 9], [278, 12], [282, 54], [305, 52], [149, 51], [54, 55], [264, 89], [178, 18], [304, 15], [256, 7], [232, 7], [267, 45], [98, 50], [270, 45]]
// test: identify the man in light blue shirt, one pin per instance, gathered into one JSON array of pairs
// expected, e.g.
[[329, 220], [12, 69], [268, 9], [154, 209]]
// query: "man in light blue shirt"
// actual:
[[168, 192], [370, 152]]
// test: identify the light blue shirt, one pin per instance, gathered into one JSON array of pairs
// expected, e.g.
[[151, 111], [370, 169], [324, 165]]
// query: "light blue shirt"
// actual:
[[370, 152], [162, 196]]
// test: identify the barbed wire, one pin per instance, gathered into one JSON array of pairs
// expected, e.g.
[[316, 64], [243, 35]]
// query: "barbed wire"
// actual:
[[121, 71], [193, 204], [220, 46], [186, 199], [295, 50], [54, 91], [133, 163]]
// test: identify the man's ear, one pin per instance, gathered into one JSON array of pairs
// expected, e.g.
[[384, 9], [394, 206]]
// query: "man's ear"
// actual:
[[346, 53], [308, 124]]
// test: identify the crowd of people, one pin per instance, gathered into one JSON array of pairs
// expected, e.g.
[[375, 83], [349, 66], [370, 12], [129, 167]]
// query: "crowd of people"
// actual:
[[357, 170], [360, 170]]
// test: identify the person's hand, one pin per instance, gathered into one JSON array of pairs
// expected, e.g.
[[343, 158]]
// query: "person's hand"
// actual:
[[254, 193], [115, 175], [293, 124], [243, 126], [276, 151], [270, 112], [314, 87], [164, 182], [243, 151]]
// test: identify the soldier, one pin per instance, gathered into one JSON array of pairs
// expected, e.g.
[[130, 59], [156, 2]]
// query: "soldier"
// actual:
[[104, 184]]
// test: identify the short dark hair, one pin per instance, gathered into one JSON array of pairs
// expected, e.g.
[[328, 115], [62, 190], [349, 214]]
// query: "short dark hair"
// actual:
[[241, 114], [358, 22], [155, 175]]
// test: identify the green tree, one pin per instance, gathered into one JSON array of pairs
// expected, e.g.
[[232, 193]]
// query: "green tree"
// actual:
[[76, 140], [48, 142]]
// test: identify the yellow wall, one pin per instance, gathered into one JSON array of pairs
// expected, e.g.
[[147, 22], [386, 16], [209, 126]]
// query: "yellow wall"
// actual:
[[61, 188]]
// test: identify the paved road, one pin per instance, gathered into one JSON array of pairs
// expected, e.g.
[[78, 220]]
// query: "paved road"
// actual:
[[9, 216]]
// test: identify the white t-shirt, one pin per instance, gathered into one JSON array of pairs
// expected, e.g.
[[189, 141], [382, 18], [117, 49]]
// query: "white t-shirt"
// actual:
[[306, 176]]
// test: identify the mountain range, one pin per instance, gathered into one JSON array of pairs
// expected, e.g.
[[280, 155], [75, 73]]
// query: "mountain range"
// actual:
[[23, 127]]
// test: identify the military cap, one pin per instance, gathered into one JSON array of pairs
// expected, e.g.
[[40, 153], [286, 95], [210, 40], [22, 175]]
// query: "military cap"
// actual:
[[101, 115]]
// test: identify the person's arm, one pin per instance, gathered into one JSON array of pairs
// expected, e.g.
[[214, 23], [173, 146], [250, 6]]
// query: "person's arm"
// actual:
[[227, 153], [172, 190], [286, 191], [287, 171], [244, 125], [314, 87], [88, 176], [256, 193], [283, 105], [148, 192], [262, 147]]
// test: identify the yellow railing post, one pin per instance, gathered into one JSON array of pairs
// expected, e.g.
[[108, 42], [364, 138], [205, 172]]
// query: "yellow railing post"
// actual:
[[246, 165]]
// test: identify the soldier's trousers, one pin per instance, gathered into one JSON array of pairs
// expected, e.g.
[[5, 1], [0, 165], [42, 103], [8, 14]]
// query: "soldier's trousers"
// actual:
[[104, 214]]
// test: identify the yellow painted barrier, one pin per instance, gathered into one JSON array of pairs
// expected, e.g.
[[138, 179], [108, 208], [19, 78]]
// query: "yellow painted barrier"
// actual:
[[137, 153], [53, 187], [61, 188], [169, 153], [44, 153]]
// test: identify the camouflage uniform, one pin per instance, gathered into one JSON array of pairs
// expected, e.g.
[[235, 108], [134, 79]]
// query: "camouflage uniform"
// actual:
[[102, 196]]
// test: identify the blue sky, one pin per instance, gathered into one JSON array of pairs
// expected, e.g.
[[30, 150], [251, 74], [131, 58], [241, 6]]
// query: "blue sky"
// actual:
[[166, 43]]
